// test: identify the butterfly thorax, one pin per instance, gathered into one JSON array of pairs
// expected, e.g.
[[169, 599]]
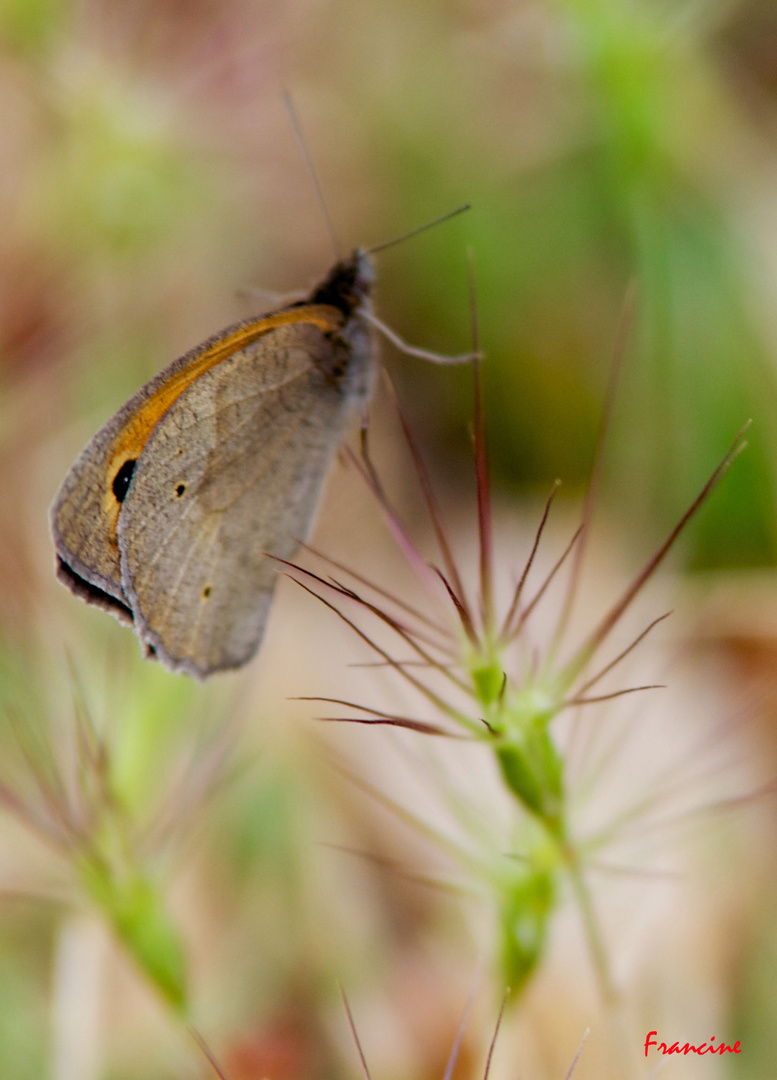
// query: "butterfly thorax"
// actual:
[[347, 288]]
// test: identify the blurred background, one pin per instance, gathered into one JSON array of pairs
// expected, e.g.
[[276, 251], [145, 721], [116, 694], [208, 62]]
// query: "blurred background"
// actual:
[[149, 176]]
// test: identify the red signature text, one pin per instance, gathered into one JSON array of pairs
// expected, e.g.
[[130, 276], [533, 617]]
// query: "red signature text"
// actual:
[[689, 1048]]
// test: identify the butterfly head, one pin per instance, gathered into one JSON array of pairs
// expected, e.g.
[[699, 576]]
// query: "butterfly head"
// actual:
[[348, 284]]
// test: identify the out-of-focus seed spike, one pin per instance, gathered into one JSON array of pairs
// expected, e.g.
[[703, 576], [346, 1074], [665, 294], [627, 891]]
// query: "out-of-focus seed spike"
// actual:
[[391, 866]]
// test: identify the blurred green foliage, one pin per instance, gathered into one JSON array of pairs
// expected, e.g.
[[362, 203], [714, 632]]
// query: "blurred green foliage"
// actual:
[[116, 183], [134, 908], [30, 26], [25, 958], [754, 990], [639, 185]]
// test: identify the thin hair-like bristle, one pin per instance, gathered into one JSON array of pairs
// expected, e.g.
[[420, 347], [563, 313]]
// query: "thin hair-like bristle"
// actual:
[[206, 1050], [672, 783], [60, 827], [366, 470], [595, 639], [483, 484], [522, 581], [462, 1028], [436, 836], [717, 806], [435, 699], [378, 716], [88, 741], [47, 831], [352, 1026], [409, 636], [658, 1068], [451, 568], [609, 697], [496, 1032], [524, 615], [418, 726], [464, 615], [640, 873], [379, 589], [576, 1058], [622, 655], [619, 352], [393, 867]]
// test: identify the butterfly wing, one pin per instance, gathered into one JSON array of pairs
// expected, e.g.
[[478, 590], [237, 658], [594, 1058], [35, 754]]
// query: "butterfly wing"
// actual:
[[233, 470]]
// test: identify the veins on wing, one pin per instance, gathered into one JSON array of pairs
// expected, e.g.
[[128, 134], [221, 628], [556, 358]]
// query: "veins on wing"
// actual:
[[172, 592], [254, 394], [161, 548], [234, 430]]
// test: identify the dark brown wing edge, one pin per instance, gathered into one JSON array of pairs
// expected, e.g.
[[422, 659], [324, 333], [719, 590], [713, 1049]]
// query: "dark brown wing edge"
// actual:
[[92, 594]]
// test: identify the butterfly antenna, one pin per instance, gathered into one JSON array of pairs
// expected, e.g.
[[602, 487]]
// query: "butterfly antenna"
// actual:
[[303, 146], [421, 228]]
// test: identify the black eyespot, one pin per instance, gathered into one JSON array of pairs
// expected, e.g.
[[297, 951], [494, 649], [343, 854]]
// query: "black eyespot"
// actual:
[[206, 592], [121, 480], [180, 490]]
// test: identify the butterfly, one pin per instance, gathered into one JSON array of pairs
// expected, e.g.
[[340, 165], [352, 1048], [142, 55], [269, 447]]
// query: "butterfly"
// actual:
[[168, 514]]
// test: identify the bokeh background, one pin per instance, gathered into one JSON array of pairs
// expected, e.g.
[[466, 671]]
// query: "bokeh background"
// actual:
[[150, 174]]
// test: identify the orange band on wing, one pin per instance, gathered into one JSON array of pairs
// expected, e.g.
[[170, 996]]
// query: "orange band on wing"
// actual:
[[132, 438]]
